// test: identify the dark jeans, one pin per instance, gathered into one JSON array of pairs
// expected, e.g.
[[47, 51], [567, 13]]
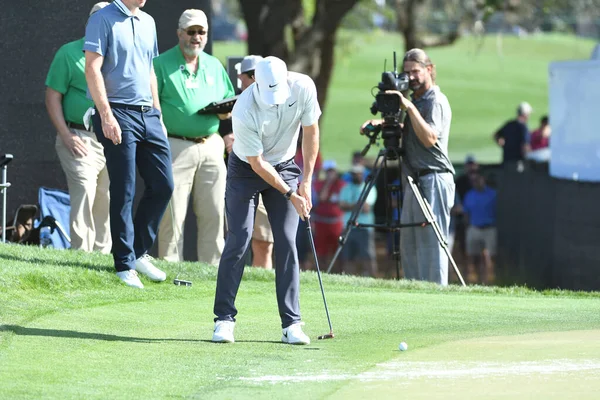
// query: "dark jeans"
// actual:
[[144, 145], [241, 200]]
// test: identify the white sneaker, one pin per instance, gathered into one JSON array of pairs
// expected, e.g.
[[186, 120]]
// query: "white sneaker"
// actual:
[[223, 332], [145, 266], [293, 334], [130, 277]]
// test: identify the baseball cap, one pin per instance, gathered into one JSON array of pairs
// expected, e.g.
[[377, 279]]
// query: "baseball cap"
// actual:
[[524, 108], [99, 6], [271, 78], [249, 63], [357, 169], [193, 17], [470, 159], [329, 164]]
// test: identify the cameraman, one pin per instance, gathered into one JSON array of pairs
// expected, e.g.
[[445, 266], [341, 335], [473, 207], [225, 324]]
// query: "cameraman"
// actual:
[[425, 142]]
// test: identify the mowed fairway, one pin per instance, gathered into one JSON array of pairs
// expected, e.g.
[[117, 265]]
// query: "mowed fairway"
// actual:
[[70, 329]]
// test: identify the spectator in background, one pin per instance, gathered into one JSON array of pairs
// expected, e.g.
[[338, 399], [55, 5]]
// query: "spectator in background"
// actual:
[[80, 153], [120, 44], [357, 159], [262, 235], [480, 211], [514, 135], [358, 254], [540, 138], [463, 182], [188, 80], [327, 215]]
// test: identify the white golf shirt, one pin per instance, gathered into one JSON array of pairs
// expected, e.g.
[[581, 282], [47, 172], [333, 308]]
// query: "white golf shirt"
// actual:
[[259, 128]]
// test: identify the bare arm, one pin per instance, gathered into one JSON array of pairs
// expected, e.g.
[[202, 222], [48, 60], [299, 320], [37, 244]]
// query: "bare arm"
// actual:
[[55, 112], [310, 150], [423, 130], [269, 175], [97, 88]]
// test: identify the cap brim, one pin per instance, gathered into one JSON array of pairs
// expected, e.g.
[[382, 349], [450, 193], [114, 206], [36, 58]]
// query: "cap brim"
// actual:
[[275, 97]]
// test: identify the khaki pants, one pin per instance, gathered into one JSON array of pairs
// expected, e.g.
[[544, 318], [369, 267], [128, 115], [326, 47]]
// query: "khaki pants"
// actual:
[[199, 171], [87, 179]]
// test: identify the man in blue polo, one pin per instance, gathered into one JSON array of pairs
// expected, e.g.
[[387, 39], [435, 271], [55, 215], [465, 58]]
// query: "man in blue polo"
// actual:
[[480, 212], [120, 44], [266, 123]]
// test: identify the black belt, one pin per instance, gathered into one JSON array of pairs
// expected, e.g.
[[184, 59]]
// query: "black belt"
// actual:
[[77, 126], [424, 172], [200, 139], [484, 226], [143, 109]]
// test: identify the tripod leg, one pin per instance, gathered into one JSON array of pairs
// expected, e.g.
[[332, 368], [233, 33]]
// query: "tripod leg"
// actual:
[[430, 218], [362, 198]]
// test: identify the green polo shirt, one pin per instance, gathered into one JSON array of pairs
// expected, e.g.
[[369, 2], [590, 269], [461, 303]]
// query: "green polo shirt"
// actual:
[[67, 76], [182, 93]]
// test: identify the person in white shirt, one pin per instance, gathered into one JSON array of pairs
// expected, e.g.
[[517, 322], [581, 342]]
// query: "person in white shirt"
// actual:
[[266, 125]]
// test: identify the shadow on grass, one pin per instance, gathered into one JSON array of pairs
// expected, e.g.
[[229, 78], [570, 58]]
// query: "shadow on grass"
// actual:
[[59, 333], [45, 261]]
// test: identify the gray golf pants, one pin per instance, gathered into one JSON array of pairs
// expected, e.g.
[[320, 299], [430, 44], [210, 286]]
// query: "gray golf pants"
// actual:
[[422, 257], [241, 200]]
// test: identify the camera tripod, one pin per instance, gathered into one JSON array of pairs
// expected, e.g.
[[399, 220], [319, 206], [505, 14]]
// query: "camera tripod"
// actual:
[[393, 225]]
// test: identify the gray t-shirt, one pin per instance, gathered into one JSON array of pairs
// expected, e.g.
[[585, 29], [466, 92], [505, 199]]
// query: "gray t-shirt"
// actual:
[[435, 110], [128, 44]]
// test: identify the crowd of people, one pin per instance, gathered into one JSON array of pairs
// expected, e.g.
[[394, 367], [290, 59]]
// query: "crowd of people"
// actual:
[[119, 107]]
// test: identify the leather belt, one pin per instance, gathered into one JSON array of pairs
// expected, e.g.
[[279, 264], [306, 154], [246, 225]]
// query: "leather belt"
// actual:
[[200, 139], [79, 127], [143, 109], [424, 172]]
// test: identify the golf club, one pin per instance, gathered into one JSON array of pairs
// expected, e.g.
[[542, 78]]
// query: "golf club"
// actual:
[[311, 240], [177, 281]]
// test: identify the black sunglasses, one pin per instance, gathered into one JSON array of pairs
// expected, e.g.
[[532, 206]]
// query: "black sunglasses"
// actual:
[[193, 33]]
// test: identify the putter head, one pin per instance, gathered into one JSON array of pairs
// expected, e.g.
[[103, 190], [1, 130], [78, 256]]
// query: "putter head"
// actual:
[[181, 282], [330, 335]]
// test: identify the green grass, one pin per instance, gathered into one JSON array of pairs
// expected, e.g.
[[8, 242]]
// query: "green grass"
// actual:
[[70, 329], [484, 88]]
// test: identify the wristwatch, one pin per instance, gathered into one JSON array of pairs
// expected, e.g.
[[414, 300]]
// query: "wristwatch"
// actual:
[[289, 194]]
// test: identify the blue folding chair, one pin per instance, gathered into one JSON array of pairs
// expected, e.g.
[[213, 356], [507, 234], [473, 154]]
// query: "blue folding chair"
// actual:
[[55, 207]]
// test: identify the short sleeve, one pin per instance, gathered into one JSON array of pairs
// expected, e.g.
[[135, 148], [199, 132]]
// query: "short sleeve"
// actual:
[[155, 52], [312, 111], [345, 194], [247, 143], [59, 74], [96, 35], [435, 118]]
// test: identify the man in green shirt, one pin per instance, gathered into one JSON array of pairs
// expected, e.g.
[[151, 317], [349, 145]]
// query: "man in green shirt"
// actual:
[[188, 80], [81, 155]]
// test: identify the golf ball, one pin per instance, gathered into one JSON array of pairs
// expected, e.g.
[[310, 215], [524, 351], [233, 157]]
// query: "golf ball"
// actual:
[[403, 346]]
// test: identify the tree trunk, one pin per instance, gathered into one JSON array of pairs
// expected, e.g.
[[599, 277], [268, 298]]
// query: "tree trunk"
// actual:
[[307, 49]]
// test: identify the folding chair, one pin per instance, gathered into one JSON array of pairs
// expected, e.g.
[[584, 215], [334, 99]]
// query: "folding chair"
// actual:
[[55, 207], [4, 185]]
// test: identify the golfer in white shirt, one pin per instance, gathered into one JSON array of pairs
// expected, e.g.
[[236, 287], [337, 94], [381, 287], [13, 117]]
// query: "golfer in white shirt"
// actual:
[[266, 126]]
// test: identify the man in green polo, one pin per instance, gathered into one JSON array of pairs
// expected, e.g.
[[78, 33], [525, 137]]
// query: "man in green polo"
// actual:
[[188, 80], [81, 155]]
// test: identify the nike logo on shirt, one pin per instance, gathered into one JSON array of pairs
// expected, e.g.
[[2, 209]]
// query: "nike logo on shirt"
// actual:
[[272, 86], [289, 105]]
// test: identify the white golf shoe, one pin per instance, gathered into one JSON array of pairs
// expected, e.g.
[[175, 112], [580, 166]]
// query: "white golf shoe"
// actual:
[[293, 334], [130, 278], [144, 265], [223, 332]]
